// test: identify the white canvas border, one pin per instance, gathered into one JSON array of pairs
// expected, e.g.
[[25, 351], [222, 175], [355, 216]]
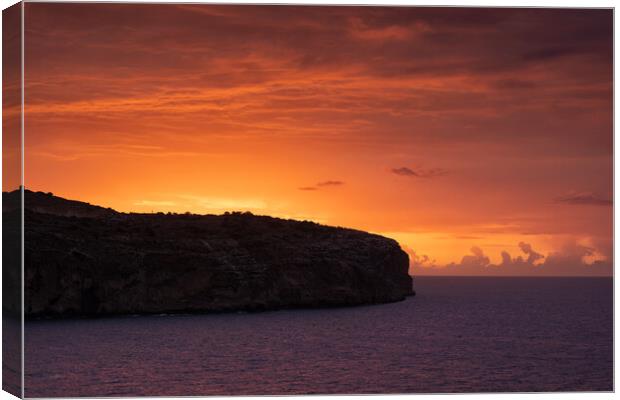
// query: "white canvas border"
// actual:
[[479, 3]]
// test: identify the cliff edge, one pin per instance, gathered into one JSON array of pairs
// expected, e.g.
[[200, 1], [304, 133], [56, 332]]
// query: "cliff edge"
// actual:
[[87, 260]]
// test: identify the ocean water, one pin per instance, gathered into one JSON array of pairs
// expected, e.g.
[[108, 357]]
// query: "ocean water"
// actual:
[[456, 335]]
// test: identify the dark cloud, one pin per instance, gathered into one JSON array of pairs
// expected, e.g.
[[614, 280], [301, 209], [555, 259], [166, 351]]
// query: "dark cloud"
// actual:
[[532, 256], [419, 173], [417, 261], [476, 260], [520, 265], [548, 53], [330, 183], [572, 258], [497, 64], [308, 188], [514, 84], [404, 171], [583, 198]]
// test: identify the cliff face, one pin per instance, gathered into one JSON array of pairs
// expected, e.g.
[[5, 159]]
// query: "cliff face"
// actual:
[[154, 263]]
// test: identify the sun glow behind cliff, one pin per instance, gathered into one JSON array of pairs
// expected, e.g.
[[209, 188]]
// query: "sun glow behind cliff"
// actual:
[[446, 129]]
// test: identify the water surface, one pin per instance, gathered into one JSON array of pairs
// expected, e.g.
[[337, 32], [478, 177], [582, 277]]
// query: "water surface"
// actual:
[[456, 335]]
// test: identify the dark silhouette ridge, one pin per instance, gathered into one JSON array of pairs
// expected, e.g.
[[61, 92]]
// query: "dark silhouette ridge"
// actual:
[[85, 260]]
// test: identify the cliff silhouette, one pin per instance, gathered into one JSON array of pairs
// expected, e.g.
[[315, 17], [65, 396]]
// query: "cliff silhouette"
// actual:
[[85, 260]]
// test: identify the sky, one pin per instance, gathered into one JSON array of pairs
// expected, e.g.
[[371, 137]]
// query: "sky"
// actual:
[[479, 139]]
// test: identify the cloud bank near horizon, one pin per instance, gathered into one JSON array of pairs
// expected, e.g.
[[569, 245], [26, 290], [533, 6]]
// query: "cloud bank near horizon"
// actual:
[[573, 259]]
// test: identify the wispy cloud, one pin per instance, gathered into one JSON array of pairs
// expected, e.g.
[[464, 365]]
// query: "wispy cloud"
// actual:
[[65, 151], [358, 29], [419, 172], [330, 183], [584, 199], [323, 184]]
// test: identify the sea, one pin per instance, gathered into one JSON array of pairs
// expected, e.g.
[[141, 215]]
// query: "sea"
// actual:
[[457, 335]]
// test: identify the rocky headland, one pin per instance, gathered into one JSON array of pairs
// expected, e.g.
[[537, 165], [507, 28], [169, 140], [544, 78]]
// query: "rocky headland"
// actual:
[[85, 260]]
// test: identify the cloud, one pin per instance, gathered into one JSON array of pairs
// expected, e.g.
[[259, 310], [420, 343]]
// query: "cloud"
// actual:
[[426, 75], [520, 265], [477, 259], [572, 259], [404, 171], [584, 199], [324, 184], [532, 256], [419, 173], [330, 183], [422, 264], [548, 53], [419, 260], [64, 151], [575, 258], [361, 31], [476, 263]]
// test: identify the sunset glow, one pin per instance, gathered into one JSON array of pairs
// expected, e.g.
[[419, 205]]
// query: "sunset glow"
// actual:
[[480, 139]]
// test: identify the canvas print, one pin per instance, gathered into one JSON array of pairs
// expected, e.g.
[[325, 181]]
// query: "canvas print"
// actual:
[[204, 199]]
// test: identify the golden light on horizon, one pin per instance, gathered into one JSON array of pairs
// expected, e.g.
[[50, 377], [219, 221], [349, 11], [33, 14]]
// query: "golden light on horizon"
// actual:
[[369, 118]]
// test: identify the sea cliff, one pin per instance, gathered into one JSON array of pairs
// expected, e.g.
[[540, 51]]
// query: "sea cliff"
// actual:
[[83, 260]]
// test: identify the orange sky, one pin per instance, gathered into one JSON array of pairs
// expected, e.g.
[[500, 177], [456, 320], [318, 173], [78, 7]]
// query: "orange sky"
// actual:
[[462, 133]]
